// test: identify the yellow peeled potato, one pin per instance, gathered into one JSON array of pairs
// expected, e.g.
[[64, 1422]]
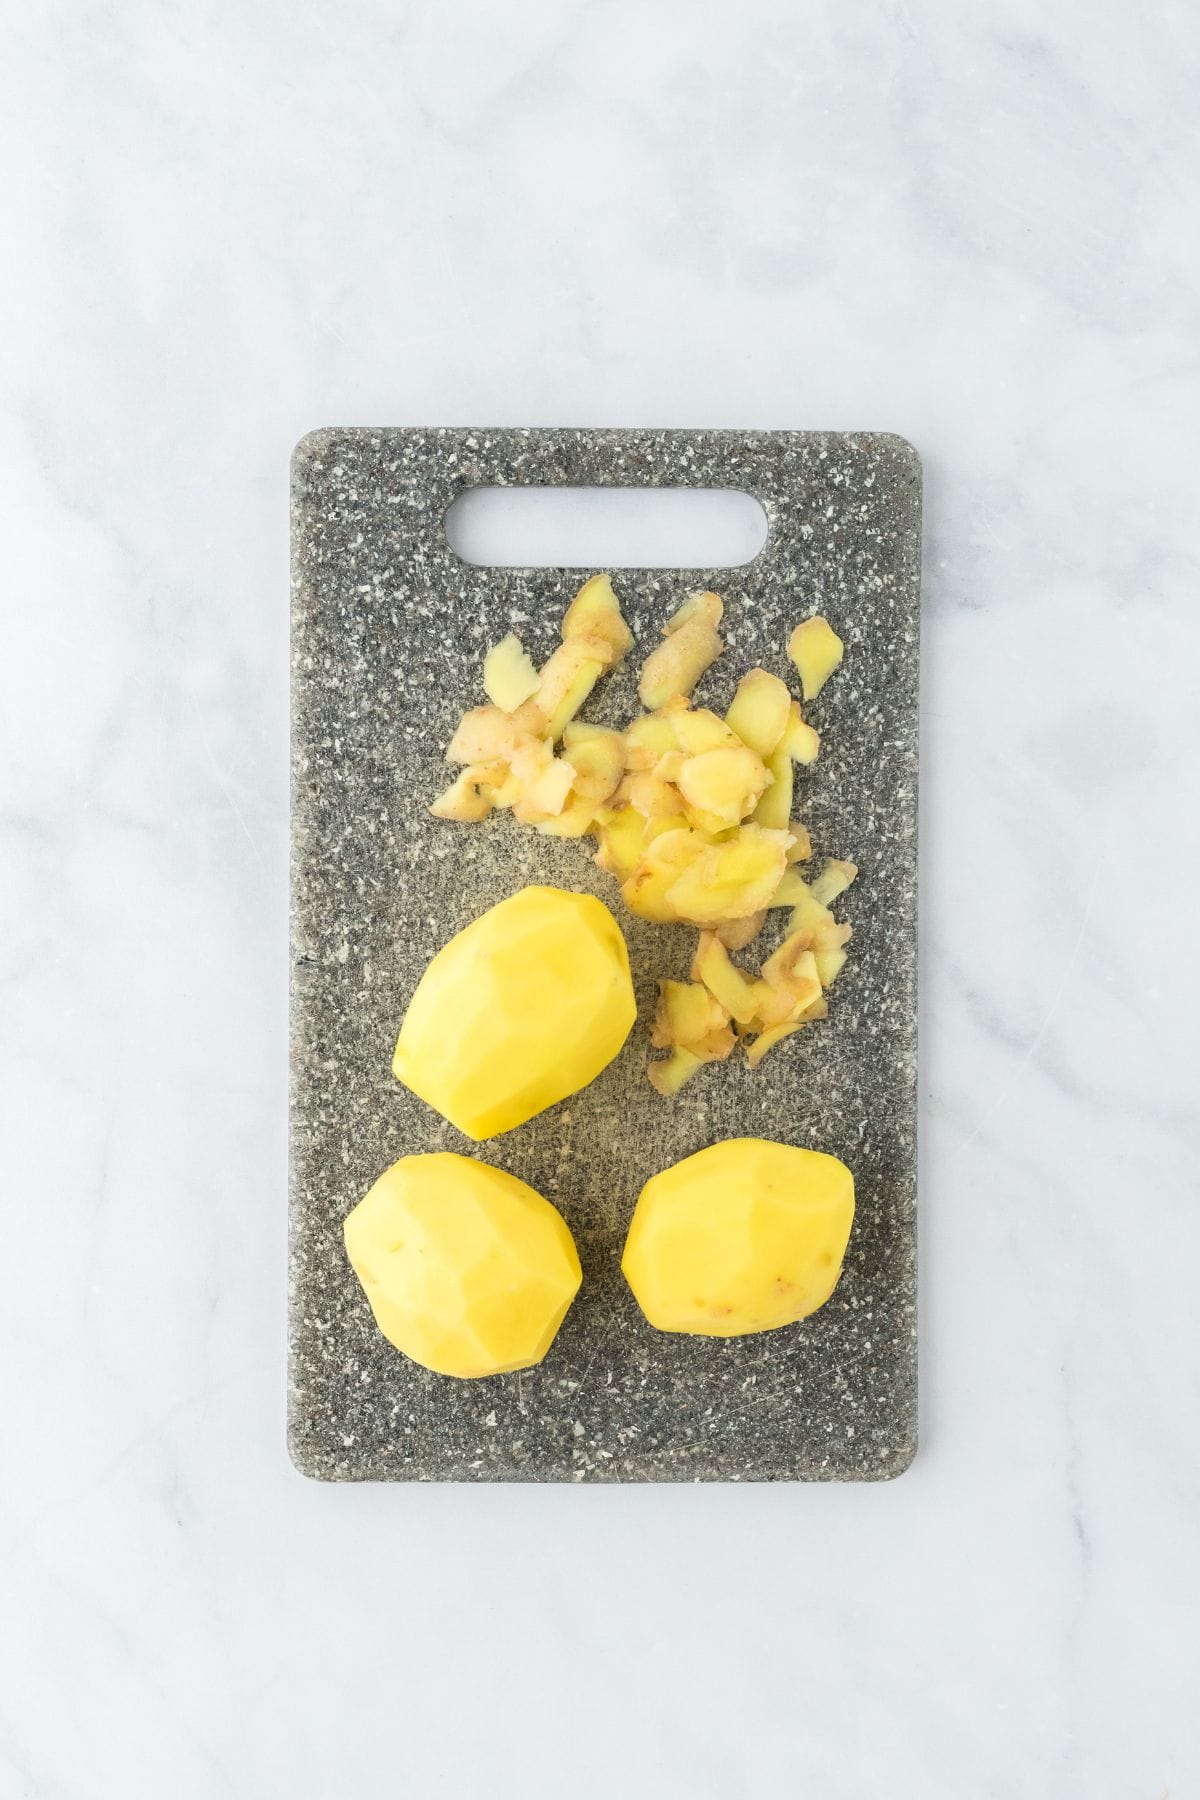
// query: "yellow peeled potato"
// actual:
[[745, 1236], [467, 1270], [524, 1007]]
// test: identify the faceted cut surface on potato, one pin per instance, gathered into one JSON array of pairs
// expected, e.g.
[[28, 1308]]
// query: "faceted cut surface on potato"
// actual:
[[522, 1008], [745, 1236], [468, 1271]]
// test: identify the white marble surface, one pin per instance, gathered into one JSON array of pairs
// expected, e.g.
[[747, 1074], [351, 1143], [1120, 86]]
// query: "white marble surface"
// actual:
[[223, 225]]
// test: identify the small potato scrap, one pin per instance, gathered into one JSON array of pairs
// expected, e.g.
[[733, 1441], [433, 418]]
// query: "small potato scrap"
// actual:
[[816, 649], [723, 785], [509, 677], [740, 994], [799, 739], [567, 680], [699, 731], [735, 934], [668, 1076], [651, 794], [485, 734], [598, 758], [694, 1026], [767, 1040], [760, 711], [833, 880], [813, 919], [801, 847], [595, 613], [792, 888], [546, 794], [687, 1014], [648, 740], [774, 810], [692, 645], [468, 797]]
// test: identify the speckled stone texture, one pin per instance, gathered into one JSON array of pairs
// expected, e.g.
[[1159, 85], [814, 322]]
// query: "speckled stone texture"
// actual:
[[389, 634]]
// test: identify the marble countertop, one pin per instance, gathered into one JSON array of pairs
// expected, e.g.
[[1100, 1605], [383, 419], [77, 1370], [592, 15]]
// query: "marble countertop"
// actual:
[[225, 226]]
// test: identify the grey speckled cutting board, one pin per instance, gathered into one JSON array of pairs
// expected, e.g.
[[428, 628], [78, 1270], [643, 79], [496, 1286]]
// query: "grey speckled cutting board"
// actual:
[[389, 633]]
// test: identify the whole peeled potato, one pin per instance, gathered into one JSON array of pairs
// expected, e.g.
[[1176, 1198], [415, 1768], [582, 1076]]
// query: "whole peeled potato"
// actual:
[[522, 1008], [468, 1271], [745, 1236]]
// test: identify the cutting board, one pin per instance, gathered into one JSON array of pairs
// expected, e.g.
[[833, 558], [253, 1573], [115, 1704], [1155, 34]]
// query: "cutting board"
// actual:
[[389, 631]]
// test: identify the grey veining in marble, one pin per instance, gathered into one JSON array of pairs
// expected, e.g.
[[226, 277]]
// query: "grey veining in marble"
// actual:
[[389, 632]]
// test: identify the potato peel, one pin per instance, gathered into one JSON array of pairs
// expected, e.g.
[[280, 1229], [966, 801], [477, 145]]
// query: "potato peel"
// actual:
[[692, 812]]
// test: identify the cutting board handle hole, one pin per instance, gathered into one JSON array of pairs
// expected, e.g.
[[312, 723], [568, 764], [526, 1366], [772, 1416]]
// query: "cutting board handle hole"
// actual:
[[606, 527]]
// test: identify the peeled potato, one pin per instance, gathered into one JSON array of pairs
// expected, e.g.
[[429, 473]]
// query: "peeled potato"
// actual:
[[467, 1270], [745, 1236], [524, 1007]]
